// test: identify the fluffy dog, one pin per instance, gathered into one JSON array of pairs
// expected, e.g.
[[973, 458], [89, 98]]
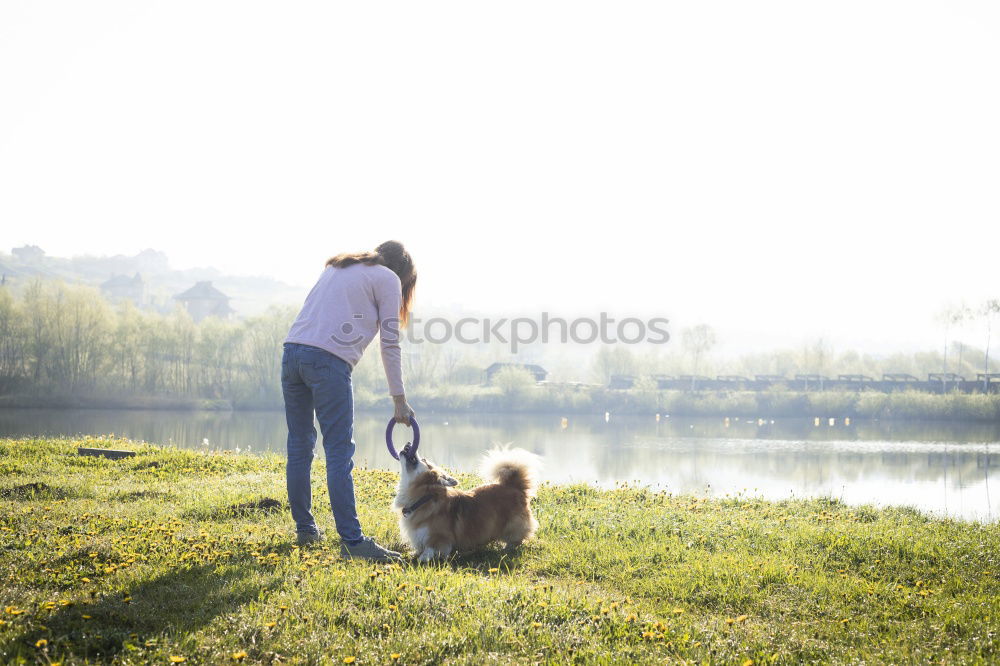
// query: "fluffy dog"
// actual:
[[437, 519]]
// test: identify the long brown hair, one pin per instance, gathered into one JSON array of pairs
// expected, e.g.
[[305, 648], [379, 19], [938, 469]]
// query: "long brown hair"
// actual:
[[393, 256]]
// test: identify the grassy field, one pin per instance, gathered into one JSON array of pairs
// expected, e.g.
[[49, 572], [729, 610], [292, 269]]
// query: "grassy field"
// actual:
[[172, 557]]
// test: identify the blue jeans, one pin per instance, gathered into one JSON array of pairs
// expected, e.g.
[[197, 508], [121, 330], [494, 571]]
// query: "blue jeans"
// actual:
[[313, 379]]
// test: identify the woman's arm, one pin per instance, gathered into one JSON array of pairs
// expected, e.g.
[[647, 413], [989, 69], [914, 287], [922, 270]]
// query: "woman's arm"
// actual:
[[388, 300]]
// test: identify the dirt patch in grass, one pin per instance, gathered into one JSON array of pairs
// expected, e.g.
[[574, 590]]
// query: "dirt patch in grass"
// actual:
[[33, 490], [263, 505], [140, 495], [252, 508]]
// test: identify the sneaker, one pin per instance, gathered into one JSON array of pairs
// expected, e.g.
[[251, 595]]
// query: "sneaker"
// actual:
[[306, 538], [368, 549]]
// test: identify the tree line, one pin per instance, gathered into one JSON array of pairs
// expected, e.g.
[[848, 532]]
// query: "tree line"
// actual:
[[59, 339], [65, 339]]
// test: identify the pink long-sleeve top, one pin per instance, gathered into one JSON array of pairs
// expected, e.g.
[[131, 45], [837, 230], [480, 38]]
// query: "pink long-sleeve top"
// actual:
[[344, 311]]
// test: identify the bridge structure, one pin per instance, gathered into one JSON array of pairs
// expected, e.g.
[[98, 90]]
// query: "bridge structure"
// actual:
[[936, 382]]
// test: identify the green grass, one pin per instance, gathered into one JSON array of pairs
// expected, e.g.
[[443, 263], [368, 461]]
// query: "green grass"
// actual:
[[145, 559]]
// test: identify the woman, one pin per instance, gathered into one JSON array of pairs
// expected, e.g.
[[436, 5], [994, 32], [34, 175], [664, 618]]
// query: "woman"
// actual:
[[357, 296]]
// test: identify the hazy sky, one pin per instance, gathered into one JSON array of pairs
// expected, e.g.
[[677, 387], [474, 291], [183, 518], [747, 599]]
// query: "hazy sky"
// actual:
[[779, 169]]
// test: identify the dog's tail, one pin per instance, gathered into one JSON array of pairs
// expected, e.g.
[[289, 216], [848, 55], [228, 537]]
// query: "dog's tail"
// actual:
[[516, 468]]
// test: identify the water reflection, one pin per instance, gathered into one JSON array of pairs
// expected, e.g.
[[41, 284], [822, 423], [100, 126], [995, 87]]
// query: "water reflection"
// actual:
[[945, 468]]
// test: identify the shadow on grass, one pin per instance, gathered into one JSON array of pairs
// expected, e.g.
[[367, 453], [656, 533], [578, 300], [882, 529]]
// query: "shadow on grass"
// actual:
[[486, 562], [263, 506], [176, 603], [35, 490]]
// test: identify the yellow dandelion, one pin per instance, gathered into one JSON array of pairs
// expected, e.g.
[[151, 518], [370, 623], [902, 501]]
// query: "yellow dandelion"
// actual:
[[395, 656], [348, 660], [270, 624], [85, 617], [393, 607], [41, 642], [240, 656], [282, 608], [543, 604], [174, 659], [730, 620], [748, 662], [742, 618], [678, 611], [536, 624], [494, 569]]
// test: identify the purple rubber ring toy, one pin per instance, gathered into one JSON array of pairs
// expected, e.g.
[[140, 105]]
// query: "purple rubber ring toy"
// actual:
[[410, 453]]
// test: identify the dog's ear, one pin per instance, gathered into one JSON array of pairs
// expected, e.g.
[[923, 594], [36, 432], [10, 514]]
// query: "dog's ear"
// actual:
[[446, 480]]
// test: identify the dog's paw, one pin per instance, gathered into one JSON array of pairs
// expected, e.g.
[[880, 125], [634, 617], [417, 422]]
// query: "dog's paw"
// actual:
[[428, 554]]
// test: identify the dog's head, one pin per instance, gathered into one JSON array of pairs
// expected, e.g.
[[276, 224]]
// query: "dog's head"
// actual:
[[420, 470]]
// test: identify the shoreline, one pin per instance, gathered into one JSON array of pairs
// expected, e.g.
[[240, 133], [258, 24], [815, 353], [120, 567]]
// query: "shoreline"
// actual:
[[906, 406]]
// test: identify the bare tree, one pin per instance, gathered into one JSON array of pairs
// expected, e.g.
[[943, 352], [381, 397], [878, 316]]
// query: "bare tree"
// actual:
[[698, 341], [988, 311], [613, 360], [950, 317], [12, 345]]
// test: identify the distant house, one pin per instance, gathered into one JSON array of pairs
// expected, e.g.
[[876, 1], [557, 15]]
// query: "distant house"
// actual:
[[28, 253], [123, 288], [621, 382], [538, 371], [203, 300]]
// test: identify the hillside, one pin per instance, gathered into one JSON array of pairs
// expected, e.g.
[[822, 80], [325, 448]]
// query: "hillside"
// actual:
[[250, 295]]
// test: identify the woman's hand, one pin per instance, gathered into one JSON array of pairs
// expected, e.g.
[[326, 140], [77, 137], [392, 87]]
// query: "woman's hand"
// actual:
[[403, 410]]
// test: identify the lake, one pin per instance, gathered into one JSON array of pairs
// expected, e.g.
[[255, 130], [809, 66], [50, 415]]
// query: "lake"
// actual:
[[944, 468]]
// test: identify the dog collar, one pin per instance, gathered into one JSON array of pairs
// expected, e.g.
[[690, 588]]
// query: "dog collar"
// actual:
[[407, 510]]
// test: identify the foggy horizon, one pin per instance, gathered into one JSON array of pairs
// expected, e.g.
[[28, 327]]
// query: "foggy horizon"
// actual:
[[781, 172], [733, 339]]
